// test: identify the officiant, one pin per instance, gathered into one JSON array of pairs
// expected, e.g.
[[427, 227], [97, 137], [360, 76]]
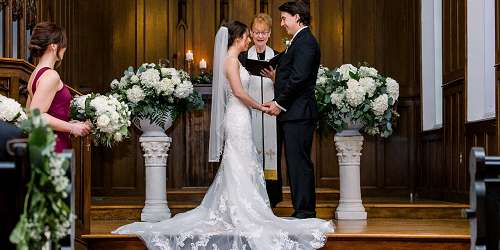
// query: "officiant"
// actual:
[[262, 90]]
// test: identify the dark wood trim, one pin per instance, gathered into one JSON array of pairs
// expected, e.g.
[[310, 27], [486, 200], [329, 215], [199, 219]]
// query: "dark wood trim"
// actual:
[[7, 29]]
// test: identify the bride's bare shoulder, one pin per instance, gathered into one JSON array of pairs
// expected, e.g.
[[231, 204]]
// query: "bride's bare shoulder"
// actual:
[[231, 63]]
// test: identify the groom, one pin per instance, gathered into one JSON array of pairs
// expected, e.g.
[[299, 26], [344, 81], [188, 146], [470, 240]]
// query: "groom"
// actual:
[[295, 105]]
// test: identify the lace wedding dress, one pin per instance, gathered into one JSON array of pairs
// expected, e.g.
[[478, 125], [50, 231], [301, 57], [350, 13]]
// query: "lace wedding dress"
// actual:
[[235, 212]]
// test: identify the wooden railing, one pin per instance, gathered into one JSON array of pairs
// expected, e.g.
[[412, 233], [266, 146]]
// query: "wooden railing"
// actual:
[[14, 77]]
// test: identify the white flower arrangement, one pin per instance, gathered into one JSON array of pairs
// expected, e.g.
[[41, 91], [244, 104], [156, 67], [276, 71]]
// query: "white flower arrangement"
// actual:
[[350, 95], [11, 111], [154, 92], [109, 117], [46, 216]]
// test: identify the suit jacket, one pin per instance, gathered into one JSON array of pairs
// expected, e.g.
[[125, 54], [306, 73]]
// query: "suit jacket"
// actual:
[[296, 75]]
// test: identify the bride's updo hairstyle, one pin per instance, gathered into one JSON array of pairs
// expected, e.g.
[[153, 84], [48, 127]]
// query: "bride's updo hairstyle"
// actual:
[[236, 29]]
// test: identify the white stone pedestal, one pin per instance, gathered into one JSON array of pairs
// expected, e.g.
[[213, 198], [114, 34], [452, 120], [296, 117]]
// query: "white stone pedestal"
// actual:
[[155, 158], [348, 152]]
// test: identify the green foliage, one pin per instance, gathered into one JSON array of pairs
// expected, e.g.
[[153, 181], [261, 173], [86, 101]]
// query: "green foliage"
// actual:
[[46, 216]]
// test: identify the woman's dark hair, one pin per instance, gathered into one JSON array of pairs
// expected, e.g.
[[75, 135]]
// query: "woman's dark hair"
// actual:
[[297, 7], [45, 34], [236, 29]]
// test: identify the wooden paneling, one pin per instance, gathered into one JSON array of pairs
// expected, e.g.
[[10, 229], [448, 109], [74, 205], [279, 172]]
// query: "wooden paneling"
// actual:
[[64, 13], [479, 134], [454, 40], [430, 171], [454, 184], [454, 150]]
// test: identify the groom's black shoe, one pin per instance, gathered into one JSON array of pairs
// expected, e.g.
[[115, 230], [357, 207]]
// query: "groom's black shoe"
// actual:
[[304, 214]]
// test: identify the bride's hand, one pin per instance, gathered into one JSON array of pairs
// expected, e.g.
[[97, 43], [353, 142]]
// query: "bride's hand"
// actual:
[[263, 108]]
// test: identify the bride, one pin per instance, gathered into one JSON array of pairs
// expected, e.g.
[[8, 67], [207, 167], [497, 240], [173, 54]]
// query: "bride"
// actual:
[[235, 213]]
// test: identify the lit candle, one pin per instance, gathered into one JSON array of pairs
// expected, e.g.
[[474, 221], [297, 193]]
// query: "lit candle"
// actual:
[[203, 64], [189, 55]]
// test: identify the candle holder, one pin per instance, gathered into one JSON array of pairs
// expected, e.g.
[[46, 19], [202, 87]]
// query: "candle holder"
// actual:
[[189, 66]]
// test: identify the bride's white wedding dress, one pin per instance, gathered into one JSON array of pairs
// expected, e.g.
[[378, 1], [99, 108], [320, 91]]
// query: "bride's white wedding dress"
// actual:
[[235, 212]]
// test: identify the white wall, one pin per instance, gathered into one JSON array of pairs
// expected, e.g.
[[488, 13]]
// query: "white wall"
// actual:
[[480, 59], [432, 63]]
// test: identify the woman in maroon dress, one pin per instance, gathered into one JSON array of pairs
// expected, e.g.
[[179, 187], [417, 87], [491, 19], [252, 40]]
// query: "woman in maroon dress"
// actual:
[[46, 90]]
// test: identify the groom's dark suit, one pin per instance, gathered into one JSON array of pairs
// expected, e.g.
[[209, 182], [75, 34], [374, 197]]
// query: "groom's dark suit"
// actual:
[[294, 91]]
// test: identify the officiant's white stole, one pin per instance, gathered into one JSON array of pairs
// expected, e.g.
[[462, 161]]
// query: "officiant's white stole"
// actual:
[[261, 89]]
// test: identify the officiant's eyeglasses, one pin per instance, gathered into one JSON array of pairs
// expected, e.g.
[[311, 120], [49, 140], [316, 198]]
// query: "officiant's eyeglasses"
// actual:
[[260, 33]]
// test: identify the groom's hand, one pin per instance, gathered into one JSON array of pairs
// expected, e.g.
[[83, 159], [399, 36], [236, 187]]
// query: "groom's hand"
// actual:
[[273, 109]]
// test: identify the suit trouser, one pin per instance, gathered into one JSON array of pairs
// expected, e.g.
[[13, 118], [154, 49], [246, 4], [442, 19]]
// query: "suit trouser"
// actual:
[[297, 137]]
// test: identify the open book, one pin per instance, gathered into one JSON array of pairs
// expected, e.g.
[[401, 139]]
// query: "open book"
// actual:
[[254, 67]]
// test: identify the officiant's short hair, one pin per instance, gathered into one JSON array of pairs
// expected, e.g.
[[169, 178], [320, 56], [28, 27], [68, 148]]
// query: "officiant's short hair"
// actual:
[[297, 7], [262, 18]]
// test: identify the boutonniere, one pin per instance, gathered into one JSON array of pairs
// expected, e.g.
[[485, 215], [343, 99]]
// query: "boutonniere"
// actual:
[[286, 42]]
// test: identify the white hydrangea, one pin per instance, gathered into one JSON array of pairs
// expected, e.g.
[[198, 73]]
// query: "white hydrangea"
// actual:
[[118, 137], [134, 79], [56, 166], [337, 98], [123, 82], [103, 121], [167, 86], [114, 116], [150, 78], [58, 175], [372, 131], [100, 104], [322, 80], [183, 74], [80, 102], [368, 85], [367, 71], [392, 89], [10, 109], [355, 94], [380, 104], [168, 72], [135, 94], [176, 80], [345, 69], [61, 184], [322, 70], [184, 89], [63, 229], [115, 84]]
